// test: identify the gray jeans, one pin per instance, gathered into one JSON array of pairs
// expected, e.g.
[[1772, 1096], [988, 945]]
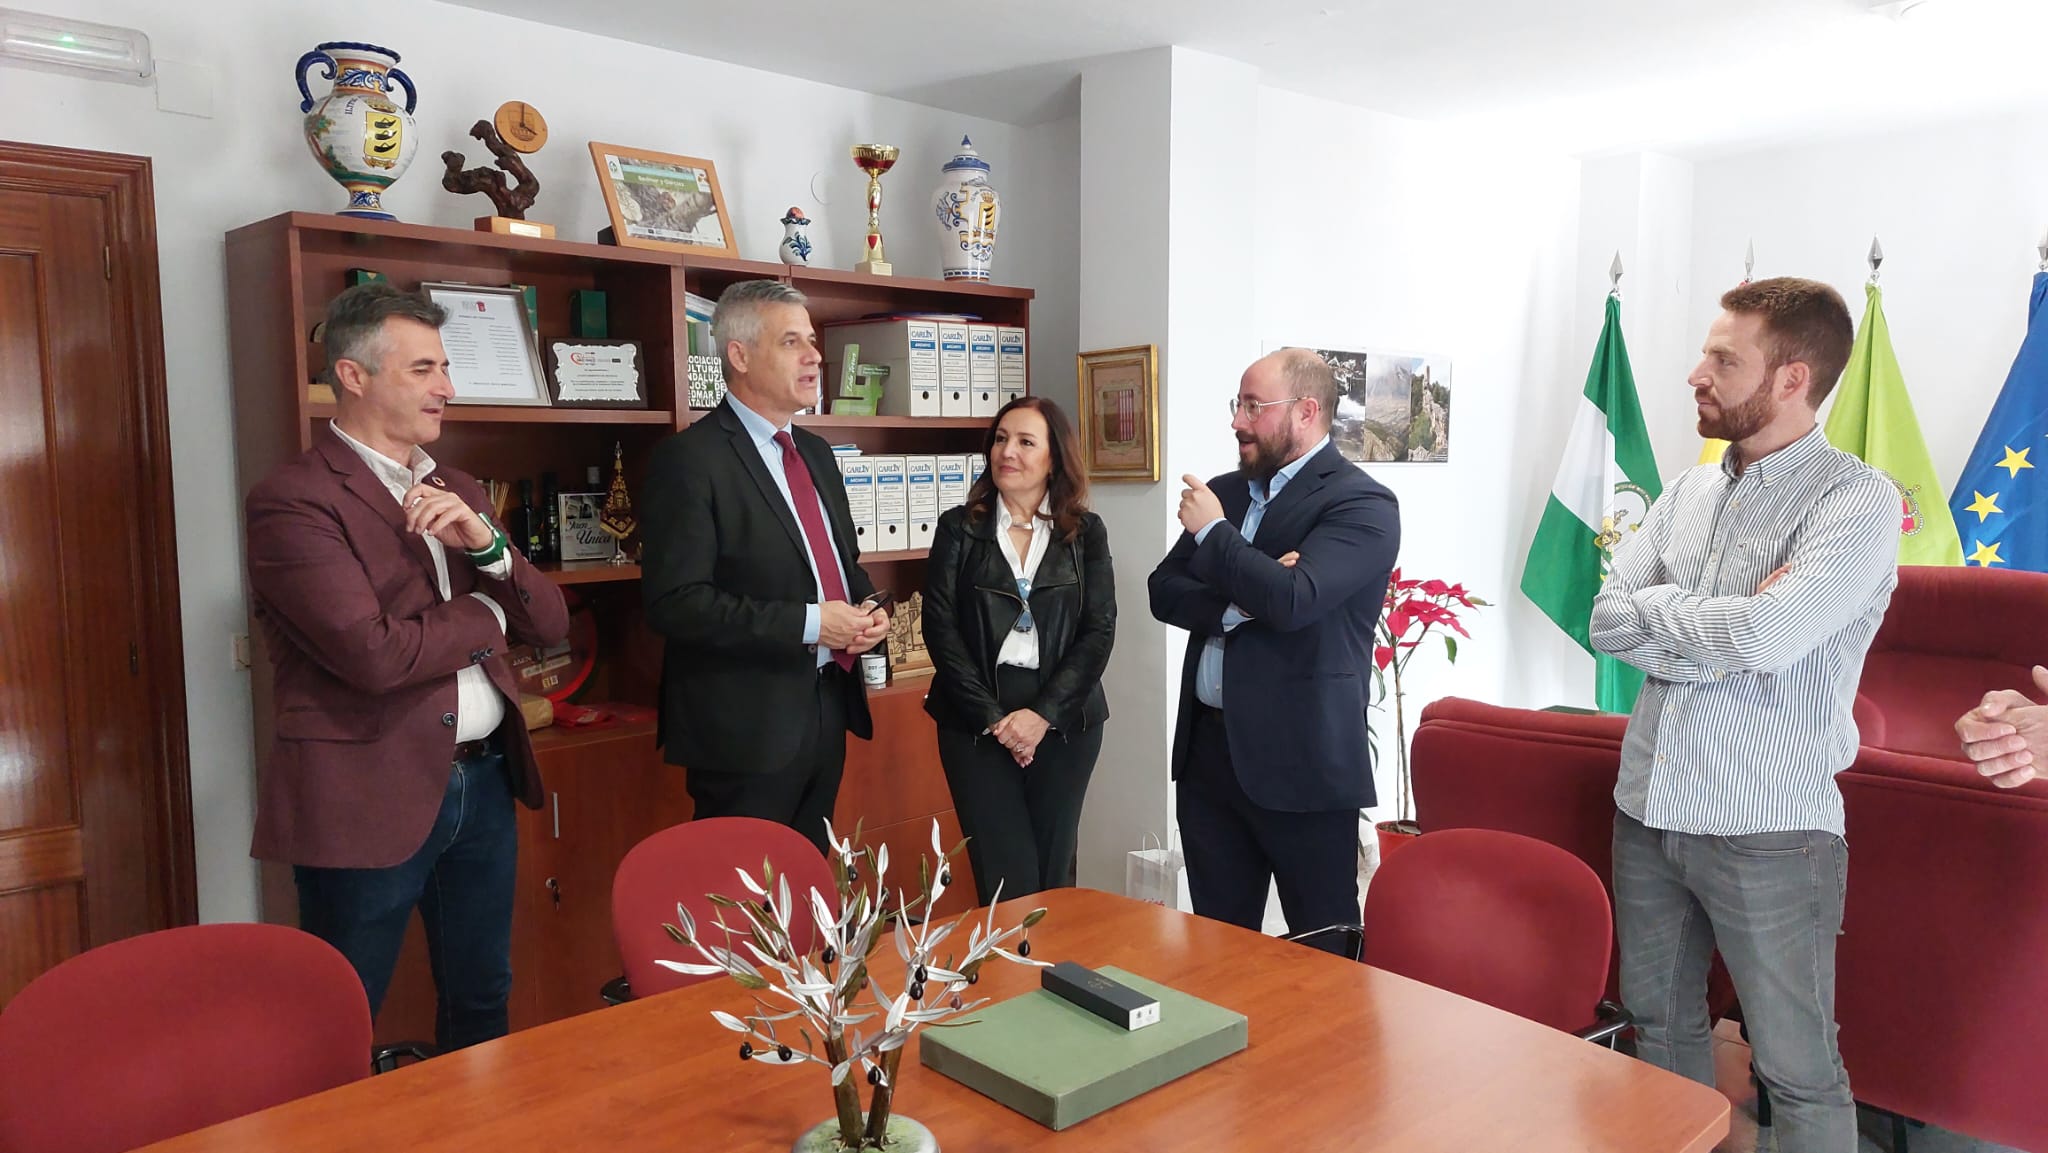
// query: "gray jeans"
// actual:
[[1772, 904]]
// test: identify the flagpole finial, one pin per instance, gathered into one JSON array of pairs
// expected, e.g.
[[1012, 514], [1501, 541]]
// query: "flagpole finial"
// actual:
[[1876, 258], [1614, 272], [1749, 262], [2042, 248]]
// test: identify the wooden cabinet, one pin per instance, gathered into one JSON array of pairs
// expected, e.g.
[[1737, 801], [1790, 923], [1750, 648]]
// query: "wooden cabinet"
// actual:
[[606, 789]]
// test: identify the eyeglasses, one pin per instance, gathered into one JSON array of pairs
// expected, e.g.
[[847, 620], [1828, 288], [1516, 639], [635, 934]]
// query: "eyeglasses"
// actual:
[[1258, 406], [1024, 622]]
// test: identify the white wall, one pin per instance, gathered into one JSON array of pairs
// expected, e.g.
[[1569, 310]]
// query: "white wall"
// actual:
[[768, 134], [1641, 205], [1959, 208], [1382, 233], [1124, 234]]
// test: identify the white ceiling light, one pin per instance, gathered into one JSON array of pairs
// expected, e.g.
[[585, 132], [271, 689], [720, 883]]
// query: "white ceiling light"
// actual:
[[59, 43]]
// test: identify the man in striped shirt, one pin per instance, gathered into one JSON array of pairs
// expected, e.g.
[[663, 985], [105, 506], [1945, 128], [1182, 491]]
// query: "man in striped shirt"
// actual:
[[1749, 596]]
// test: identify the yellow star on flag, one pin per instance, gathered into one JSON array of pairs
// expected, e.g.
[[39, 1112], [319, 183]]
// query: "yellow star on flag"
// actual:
[[2014, 461], [1987, 555], [1984, 505]]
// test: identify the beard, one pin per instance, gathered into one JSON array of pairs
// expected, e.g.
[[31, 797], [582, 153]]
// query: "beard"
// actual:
[[1269, 455], [1743, 421]]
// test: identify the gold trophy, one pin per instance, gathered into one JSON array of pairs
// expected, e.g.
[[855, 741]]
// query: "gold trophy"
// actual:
[[874, 159]]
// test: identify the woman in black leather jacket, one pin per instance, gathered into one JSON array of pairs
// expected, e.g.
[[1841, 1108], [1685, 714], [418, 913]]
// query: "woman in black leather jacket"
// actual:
[[1019, 616]]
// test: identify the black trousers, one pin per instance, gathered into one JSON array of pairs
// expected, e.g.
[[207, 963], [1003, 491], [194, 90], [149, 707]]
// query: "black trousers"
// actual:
[[799, 794], [1023, 825], [1235, 848]]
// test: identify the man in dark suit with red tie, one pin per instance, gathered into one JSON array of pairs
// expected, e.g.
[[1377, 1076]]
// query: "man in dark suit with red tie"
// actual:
[[386, 599], [752, 573]]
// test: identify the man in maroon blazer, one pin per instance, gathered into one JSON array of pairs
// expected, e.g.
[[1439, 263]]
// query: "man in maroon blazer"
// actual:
[[387, 598]]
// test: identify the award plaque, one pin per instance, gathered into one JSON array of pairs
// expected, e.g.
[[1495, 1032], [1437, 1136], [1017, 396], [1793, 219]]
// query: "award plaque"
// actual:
[[595, 373], [908, 656]]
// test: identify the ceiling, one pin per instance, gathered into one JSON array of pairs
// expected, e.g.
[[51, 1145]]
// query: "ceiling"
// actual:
[[1586, 75]]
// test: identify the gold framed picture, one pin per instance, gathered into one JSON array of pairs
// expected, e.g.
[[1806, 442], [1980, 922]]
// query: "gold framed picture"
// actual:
[[658, 200], [1119, 391]]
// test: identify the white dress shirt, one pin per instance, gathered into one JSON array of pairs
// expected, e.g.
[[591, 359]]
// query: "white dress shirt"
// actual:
[[1021, 649], [763, 435], [479, 708]]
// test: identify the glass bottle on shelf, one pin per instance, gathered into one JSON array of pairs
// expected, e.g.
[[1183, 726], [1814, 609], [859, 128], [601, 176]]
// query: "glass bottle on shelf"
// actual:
[[550, 518], [524, 524]]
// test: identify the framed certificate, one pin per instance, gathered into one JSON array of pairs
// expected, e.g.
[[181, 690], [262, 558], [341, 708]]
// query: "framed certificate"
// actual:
[[492, 357], [595, 373]]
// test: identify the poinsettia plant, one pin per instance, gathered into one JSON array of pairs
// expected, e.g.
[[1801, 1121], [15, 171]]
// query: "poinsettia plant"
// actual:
[[1414, 610]]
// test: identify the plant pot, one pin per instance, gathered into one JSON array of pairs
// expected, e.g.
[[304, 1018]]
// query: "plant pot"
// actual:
[[1394, 834], [904, 1136]]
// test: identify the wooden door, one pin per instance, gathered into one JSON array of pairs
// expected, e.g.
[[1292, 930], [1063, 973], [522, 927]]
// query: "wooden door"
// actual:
[[95, 818]]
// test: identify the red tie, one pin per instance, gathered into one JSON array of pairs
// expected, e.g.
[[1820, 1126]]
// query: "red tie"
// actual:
[[804, 495]]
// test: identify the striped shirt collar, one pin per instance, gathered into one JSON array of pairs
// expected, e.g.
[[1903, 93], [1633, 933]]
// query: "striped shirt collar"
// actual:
[[1780, 464]]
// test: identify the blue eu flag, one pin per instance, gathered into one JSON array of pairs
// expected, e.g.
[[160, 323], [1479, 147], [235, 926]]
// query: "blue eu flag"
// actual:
[[2001, 501]]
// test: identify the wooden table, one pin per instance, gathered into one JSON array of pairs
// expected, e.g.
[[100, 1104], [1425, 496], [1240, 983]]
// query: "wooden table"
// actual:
[[1342, 1057]]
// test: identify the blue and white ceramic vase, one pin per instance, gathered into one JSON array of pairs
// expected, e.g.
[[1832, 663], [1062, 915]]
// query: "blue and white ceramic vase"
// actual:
[[968, 210], [796, 247], [356, 133]]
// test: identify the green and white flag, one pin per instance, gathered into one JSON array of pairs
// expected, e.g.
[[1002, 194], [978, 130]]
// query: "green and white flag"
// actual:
[[1604, 488]]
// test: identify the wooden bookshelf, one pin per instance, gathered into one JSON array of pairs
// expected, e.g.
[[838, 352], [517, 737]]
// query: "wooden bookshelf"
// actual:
[[607, 786], [586, 572]]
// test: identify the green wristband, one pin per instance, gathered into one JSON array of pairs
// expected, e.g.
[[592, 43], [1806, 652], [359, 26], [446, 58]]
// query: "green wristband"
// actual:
[[487, 557]]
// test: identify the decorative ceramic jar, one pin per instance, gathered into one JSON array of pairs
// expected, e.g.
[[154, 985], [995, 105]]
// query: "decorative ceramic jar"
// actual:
[[796, 247], [363, 140], [968, 210]]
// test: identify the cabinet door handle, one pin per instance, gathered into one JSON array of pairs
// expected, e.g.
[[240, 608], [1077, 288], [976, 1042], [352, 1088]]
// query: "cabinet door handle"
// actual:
[[555, 890], [555, 799]]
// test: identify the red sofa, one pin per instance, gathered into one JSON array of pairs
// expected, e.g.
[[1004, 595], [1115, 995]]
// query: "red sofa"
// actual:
[[1950, 636], [1940, 965], [1939, 974]]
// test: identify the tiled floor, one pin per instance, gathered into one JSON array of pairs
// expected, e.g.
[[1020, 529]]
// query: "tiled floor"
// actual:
[[1731, 1069]]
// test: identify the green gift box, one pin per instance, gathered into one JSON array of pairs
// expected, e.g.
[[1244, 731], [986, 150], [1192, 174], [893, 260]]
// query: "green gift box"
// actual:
[[587, 316]]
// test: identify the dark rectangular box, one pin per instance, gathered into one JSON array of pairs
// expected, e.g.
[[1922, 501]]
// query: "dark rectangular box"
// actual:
[[1117, 1003]]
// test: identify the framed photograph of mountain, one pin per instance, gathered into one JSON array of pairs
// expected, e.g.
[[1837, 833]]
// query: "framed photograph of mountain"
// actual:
[[657, 200], [1391, 406]]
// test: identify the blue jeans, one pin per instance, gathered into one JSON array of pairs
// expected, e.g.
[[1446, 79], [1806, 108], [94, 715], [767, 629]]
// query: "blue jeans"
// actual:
[[1772, 904], [461, 880]]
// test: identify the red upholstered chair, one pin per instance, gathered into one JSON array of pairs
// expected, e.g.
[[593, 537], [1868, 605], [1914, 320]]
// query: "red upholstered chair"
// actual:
[[1509, 920], [683, 863], [1950, 636], [1943, 956], [1546, 775], [157, 1035]]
